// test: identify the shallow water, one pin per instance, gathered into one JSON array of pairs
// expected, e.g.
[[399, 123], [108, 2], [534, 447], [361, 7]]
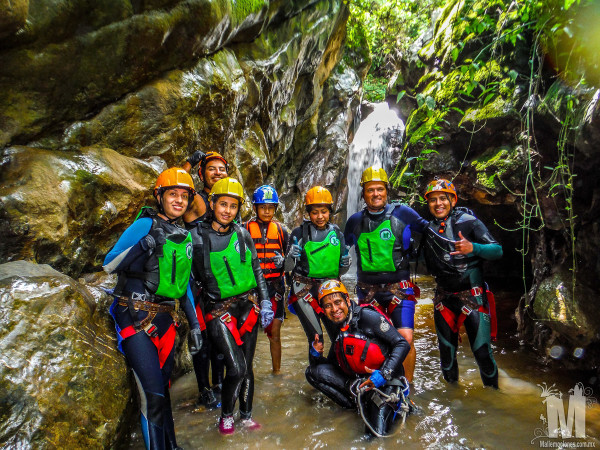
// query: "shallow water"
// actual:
[[295, 415]]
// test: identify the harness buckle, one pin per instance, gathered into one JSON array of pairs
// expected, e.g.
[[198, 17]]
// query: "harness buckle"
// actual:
[[225, 318], [439, 306], [476, 291], [396, 301], [466, 310], [278, 296], [256, 309], [151, 330], [307, 298], [404, 284], [137, 297], [374, 303]]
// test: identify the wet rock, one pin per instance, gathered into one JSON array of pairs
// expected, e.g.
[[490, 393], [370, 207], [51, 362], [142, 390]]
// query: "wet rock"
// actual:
[[13, 15], [566, 311], [63, 383], [67, 209]]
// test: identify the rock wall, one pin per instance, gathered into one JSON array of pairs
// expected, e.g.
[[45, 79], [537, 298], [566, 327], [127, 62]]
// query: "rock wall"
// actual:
[[124, 90], [96, 99], [478, 112]]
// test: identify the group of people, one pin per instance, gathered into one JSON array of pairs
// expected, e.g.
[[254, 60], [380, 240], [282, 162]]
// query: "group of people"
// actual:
[[228, 277]]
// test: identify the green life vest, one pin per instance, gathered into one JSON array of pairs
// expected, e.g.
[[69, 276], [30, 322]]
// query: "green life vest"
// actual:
[[233, 275], [323, 257], [167, 270], [376, 249], [174, 267]]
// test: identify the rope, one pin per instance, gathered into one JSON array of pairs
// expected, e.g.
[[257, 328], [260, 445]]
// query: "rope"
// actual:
[[393, 398]]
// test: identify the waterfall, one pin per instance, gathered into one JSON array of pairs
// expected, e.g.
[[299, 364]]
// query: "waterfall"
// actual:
[[372, 147]]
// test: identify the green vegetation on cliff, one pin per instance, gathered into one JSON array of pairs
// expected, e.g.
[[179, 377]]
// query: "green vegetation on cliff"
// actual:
[[382, 30]]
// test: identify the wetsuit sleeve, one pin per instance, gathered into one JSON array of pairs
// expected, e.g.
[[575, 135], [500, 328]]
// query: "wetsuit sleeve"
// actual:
[[376, 326], [410, 217], [290, 263], [286, 239], [128, 247], [484, 245], [343, 270], [261, 284], [187, 302], [349, 237]]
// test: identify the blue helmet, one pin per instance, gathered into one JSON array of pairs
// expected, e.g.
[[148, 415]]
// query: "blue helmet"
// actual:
[[265, 194]]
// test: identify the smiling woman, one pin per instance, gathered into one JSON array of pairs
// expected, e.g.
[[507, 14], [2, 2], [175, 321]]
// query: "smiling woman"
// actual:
[[153, 259], [233, 287]]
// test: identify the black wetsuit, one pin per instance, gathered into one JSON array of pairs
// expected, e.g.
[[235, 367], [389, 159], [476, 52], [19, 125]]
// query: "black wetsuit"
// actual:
[[327, 375], [459, 278], [207, 356], [238, 359]]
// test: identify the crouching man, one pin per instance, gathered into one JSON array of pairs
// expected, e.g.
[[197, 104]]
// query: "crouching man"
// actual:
[[364, 367]]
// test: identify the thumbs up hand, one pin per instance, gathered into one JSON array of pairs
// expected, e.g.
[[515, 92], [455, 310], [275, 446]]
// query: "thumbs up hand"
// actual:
[[462, 247]]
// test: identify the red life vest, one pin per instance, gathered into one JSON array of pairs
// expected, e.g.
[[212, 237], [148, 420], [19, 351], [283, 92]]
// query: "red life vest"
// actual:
[[355, 352], [267, 245]]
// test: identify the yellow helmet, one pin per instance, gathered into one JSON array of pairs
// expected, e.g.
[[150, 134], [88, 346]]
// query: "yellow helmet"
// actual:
[[373, 174], [318, 195], [174, 178], [227, 186]]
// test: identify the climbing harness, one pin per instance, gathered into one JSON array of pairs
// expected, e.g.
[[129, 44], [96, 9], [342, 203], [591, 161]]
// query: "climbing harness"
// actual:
[[395, 288], [305, 284], [146, 325], [469, 305], [222, 313]]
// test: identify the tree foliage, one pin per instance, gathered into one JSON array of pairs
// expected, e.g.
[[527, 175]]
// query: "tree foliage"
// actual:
[[385, 29]]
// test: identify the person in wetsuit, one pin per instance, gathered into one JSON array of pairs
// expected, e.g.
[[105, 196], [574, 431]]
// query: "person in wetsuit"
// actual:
[[317, 253], [235, 296], [382, 233], [366, 344], [455, 245], [271, 240], [153, 261], [211, 168]]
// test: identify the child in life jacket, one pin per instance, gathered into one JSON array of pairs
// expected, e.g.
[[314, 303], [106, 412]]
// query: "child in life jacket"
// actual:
[[271, 240]]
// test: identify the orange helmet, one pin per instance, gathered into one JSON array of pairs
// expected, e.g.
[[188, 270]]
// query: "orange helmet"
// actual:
[[331, 287], [209, 156], [441, 185], [318, 195], [174, 178]]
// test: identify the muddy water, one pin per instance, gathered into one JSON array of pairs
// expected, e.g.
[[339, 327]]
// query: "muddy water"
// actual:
[[294, 415]]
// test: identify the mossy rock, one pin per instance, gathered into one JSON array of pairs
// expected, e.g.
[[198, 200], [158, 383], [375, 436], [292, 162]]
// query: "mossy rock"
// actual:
[[566, 312], [13, 16], [171, 117], [95, 195], [498, 167]]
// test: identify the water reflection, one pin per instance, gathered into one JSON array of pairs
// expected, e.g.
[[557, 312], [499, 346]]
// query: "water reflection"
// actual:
[[294, 415]]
